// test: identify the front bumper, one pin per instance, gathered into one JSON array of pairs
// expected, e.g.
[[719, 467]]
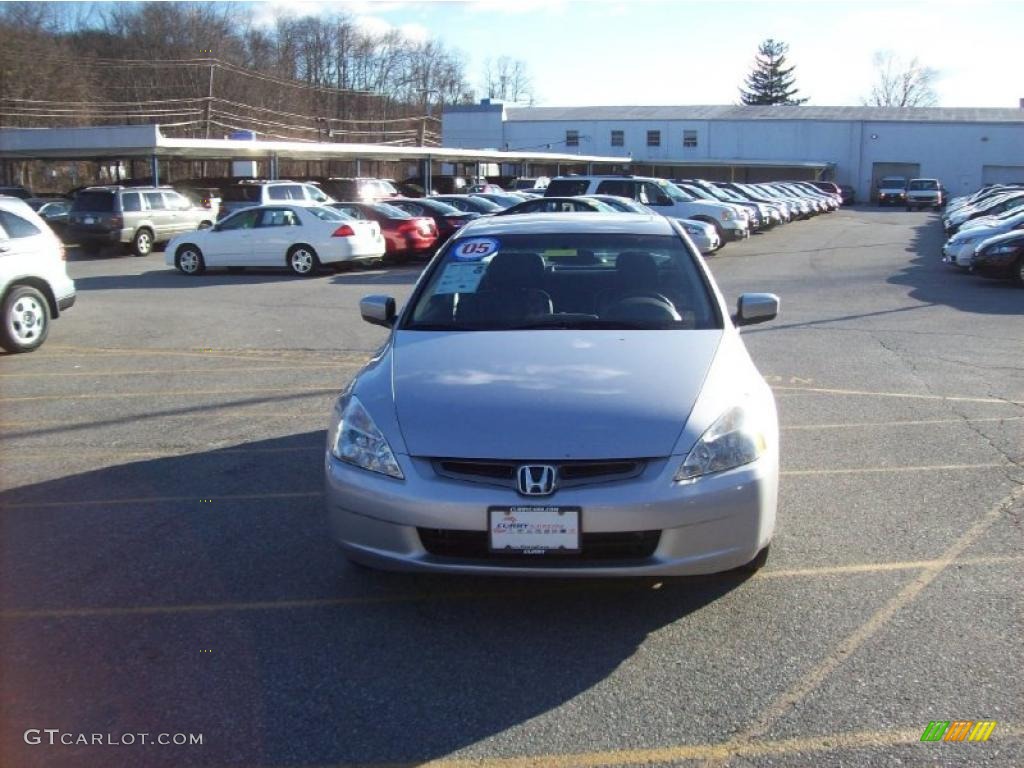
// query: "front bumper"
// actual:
[[1001, 266], [735, 229], [714, 524]]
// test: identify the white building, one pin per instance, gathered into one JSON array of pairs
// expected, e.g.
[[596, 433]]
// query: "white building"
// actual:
[[964, 148]]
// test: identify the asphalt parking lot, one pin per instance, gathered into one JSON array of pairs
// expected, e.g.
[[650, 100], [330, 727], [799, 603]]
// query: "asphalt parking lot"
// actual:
[[166, 567]]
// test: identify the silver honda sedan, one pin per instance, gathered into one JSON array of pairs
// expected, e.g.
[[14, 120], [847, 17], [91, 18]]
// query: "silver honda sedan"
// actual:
[[563, 395]]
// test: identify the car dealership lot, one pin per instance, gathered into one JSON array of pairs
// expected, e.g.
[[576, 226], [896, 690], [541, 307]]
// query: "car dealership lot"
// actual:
[[166, 565]]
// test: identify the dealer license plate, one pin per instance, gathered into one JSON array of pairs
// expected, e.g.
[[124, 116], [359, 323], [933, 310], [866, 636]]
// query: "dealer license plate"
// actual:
[[534, 530]]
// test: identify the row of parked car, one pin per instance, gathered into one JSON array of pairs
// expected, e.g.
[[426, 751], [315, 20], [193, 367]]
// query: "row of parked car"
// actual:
[[297, 225], [985, 232]]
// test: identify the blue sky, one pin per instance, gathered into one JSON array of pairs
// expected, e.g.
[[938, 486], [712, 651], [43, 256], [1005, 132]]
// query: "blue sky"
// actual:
[[586, 52]]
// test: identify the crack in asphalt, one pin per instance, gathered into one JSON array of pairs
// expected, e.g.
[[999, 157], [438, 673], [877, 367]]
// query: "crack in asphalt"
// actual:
[[1012, 462]]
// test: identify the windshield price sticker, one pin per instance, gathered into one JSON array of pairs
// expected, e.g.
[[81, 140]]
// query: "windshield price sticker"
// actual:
[[475, 249], [460, 278]]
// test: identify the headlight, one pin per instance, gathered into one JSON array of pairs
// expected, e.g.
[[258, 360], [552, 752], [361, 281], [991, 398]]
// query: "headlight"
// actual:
[[354, 438], [1002, 249], [692, 230], [732, 441], [726, 215]]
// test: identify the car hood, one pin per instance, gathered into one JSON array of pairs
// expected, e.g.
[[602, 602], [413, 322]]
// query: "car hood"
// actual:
[[997, 238], [547, 394]]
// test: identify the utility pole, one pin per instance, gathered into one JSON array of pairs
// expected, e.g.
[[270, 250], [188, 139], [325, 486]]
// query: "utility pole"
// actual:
[[209, 101], [209, 110]]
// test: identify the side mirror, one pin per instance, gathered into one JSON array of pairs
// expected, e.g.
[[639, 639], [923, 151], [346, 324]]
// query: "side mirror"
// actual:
[[755, 308], [378, 310]]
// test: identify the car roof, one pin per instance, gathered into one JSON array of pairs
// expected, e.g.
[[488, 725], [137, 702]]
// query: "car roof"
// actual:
[[559, 223]]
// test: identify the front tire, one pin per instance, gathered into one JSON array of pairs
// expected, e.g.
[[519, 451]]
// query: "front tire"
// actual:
[[189, 260], [303, 261], [26, 319], [142, 243]]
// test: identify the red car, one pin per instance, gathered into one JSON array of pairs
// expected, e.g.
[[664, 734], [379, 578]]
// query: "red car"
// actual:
[[448, 219], [405, 236]]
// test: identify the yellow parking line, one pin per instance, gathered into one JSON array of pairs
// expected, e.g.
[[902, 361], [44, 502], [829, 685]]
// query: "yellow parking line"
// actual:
[[11, 454], [904, 395], [196, 392], [158, 500], [624, 585], [869, 568], [256, 354], [898, 423], [810, 681], [871, 470], [178, 371], [830, 742]]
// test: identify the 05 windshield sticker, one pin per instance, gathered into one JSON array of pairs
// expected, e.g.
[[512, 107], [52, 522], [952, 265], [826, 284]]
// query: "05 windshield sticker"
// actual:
[[460, 277], [475, 248]]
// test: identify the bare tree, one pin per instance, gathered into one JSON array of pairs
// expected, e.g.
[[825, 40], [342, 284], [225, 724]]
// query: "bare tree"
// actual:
[[507, 79], [900, 83]]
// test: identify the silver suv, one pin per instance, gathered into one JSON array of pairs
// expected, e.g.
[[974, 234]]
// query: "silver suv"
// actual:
[[246, 194], [135, 217]]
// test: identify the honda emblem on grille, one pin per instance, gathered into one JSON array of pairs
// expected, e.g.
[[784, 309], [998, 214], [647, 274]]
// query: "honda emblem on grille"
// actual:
[[536, 479]]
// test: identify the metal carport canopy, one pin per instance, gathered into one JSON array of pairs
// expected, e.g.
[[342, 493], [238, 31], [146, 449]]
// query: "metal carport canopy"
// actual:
[[127, 141]]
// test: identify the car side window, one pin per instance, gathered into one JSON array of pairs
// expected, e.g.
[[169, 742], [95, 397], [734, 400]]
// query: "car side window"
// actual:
[[615, 187], [650, 194], [241, 220], [131, 202], [154, 201], [176, 202], [278, 217], [16, 227], [353, 211], [460, 204], [278, 192], [315, 194]]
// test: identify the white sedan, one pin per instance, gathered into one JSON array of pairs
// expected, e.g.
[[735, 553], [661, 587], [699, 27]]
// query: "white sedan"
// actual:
[[297, 237]]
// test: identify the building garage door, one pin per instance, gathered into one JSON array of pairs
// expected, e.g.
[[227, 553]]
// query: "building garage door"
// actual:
[[881, 170], [1001, 174]]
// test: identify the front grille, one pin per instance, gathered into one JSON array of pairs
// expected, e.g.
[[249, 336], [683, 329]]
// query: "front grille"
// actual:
[[570, 473], [628, 547]]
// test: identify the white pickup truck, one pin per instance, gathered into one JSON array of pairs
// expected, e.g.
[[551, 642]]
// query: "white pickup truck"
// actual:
[[730, 221]]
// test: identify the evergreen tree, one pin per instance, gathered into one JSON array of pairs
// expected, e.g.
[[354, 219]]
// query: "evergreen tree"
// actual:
[[771, 81]]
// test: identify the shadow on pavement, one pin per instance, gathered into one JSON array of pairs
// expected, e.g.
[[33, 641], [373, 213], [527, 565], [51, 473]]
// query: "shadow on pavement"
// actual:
[[932, 282], [171, 278], [359, 666]]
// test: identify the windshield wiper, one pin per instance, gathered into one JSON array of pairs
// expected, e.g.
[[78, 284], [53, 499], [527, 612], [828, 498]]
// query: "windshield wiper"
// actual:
[[576, 322]]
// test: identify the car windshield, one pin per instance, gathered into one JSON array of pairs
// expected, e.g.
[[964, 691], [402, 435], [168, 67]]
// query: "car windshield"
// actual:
[[674, 192], [390, 211], [569, 281], [893, 181], [327, 214], [924, 184], [436, 206], [99, 201]]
